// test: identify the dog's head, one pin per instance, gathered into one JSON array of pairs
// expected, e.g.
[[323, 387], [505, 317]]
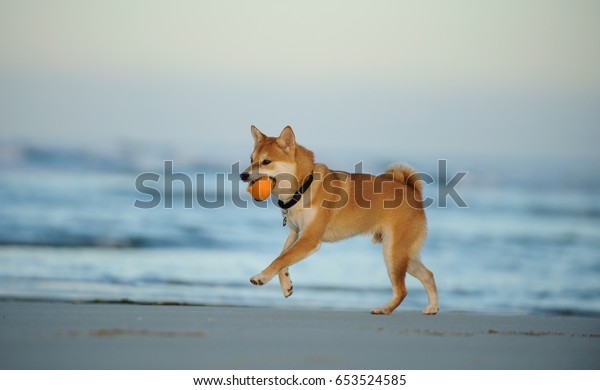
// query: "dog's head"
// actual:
[[274, 157]]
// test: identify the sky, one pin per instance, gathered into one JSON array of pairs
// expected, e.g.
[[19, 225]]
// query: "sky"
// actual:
[[444, 78]]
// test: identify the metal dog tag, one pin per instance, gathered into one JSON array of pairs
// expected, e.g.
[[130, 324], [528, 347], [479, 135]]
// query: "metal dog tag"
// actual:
[[284, 215]]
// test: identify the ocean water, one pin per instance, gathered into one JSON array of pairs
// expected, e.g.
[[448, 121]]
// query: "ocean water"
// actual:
[[528, 242]]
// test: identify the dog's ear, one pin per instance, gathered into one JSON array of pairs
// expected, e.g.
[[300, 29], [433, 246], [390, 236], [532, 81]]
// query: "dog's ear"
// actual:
[[257, 135], [287, 139]]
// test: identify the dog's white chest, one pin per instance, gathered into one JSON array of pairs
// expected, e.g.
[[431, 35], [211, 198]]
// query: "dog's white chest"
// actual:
[[298, 217]]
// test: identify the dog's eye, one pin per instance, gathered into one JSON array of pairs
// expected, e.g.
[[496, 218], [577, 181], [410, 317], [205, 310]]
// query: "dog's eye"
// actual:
[[266, 162]]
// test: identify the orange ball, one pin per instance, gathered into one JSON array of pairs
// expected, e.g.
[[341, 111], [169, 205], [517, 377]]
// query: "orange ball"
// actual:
[[261, 188]]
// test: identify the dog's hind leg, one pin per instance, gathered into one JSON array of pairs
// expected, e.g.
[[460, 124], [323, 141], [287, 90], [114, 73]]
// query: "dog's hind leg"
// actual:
[[425, 276], [284, 275], [396, 261]]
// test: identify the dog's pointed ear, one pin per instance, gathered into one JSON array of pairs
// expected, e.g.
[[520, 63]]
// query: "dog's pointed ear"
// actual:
[[257, 135], [287, 139]]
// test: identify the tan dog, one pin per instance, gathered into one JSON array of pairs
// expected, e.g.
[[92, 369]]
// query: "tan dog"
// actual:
[[320, 205]]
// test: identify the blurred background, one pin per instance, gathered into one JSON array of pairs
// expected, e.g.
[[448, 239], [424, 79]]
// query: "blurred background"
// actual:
[[92, 94]]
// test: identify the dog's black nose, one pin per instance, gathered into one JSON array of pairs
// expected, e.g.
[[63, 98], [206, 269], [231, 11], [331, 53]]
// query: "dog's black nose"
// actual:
[[244, 176]]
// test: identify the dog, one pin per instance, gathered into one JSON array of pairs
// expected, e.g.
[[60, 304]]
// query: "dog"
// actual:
[[323, 205]]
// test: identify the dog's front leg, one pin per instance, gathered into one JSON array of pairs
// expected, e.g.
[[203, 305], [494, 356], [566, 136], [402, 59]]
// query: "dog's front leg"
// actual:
[[305, 245], [284, 275]]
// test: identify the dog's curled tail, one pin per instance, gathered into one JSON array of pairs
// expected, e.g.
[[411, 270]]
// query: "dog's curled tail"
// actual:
[[407, 175]]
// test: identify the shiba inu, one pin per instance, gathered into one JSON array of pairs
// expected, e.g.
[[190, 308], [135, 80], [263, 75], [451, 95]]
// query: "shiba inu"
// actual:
[[323, 205]]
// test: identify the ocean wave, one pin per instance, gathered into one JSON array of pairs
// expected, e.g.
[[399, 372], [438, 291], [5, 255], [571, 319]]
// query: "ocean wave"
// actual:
[[591, 213], [63, 159], [65, 241], [178, 282], [568, 312], [120, 158]]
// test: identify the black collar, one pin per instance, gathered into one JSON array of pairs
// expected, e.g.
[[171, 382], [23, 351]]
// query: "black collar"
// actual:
[[297, 195]]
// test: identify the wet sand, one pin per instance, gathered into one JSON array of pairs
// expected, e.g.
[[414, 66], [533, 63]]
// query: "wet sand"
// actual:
[[55, 335]]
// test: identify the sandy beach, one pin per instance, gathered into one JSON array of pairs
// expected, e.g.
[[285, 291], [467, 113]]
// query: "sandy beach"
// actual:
[[54, 335]]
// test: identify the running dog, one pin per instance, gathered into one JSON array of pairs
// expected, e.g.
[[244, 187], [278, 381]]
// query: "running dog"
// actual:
[[323, 205]]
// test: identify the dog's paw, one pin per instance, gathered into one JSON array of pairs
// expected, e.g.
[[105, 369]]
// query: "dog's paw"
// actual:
[[259, 280], [286, 283], [430, 310], [288, 292], [381, 310]]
